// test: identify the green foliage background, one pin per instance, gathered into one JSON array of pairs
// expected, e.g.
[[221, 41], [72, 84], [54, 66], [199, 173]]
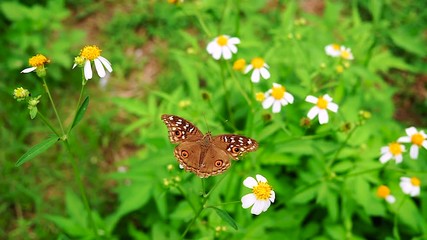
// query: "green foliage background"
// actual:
[[325, 177]]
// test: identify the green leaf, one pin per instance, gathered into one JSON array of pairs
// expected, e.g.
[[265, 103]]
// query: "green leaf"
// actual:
[[226, 217], [68, 226], [80, 112], [36, 150], [75, 208]]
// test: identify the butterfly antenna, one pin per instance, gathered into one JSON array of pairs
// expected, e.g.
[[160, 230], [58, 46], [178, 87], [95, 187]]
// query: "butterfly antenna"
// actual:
[[206, 123]]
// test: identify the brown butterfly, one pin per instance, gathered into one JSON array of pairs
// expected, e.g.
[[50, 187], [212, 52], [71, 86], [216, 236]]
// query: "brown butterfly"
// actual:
[[205, 155]]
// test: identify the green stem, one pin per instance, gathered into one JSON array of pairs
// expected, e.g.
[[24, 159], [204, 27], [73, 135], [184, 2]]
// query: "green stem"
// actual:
[[202, 207], [79, 101], [224, 84], [53, 106], [240, 86], [395, 226], [78, 178], [44, 119], [332, 160]]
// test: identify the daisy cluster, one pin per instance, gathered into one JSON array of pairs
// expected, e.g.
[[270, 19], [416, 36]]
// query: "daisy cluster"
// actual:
[[224, 46], [394, 151]]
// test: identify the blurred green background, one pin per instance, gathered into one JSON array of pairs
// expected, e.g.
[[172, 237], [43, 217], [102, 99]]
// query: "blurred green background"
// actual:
[[157, 50]]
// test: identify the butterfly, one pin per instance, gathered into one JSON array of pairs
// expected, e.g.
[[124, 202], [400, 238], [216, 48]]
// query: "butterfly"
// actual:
[[205, 155]]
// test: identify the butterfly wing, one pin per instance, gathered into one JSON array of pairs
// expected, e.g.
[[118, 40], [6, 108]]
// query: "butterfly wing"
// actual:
[[215, 161], [181, 130], [188, 154], [235, 145]]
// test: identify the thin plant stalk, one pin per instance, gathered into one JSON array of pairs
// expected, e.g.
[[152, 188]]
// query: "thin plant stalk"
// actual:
[[53, 106]]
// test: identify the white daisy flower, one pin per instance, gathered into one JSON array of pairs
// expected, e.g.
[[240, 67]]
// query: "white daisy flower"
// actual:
[[277, 97], [384, 192], [260, 69], [417, 138], [410, 186], [392, 151], [93, 53], [36, 62], [261, 197], [346, 53], [333, 50], [322, 103], [223, 46]]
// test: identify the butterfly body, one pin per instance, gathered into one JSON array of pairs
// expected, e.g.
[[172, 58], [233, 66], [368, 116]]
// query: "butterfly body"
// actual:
[[205, 155]]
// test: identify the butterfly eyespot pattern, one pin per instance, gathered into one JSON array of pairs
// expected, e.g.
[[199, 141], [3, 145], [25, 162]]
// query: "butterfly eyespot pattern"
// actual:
[[218, 163], [210, 155], [184, 154], [235, 149]]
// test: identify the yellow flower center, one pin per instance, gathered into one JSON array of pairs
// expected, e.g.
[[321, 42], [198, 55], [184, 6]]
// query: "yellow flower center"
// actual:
[[322, 103], [278, 92], [90, 52], [259, 96], [239, 64], [417, 139], [336, 47], [38, 60], [262, 191], [257, 62], [395, 148], [415, 181], [383, 191], [222, 40]]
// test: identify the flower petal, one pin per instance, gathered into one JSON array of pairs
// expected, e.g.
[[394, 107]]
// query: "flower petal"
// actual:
[[411, 131], [385, 149], [390, 199], [250, 182], [106, 63], [267, 204], [226, 53], [277, 106], [261, 178], [248, 68], [311, 99], [323, 116], [99, 68], [327, 98], [233, 41], [405, 139], [211, 47], [313, 112], [88, 70], [248, 200], [272, 196], [268, 102], [332, 106], [28, 70], [398, 158], [264, 73], [289, 98], [386, 157], [413, 152], [232, 48], [255, 76], [415, 191], [258, 207]]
